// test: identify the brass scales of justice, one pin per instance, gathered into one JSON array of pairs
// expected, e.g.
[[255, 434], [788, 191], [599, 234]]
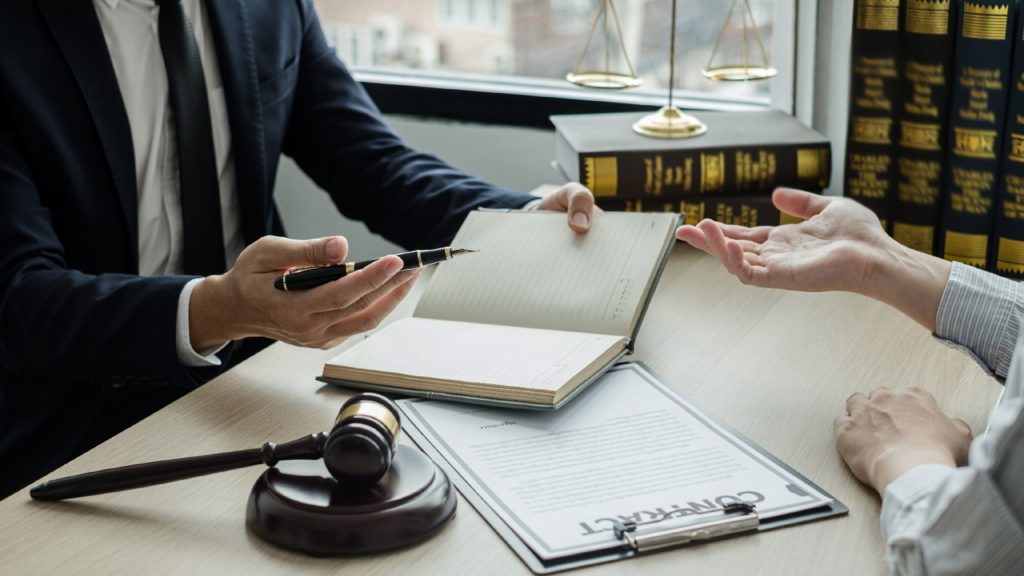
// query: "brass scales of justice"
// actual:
[[670, 121]]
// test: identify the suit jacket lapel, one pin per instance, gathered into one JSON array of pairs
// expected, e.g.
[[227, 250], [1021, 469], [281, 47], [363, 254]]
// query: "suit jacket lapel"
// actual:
[[230, 23], [77, 31]]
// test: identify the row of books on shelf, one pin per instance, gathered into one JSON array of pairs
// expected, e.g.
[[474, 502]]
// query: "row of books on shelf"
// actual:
[[726, 174], [739, 210], [936, 135]]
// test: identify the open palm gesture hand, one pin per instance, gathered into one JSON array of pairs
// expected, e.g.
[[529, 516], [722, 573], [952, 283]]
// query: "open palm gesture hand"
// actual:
[[834, 248]]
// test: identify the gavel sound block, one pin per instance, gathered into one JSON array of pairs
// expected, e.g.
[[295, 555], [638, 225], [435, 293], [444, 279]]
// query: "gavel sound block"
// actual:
[[298, 505], [352, 490]]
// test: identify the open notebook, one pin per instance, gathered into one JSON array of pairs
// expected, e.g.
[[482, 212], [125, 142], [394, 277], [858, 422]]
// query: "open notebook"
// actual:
[[539, 313]]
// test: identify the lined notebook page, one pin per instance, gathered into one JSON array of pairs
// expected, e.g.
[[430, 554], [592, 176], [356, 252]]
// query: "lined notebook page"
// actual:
[[532, 270], [457, 351]]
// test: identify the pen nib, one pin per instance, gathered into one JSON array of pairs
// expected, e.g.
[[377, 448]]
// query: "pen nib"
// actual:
[[457, 251]]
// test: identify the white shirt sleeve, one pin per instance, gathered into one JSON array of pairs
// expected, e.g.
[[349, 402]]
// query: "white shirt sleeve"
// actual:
[[532, 205], [942, 520], [182, 341]]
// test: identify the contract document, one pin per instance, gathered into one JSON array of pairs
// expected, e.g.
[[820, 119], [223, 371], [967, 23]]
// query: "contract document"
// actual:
[[627, 450]]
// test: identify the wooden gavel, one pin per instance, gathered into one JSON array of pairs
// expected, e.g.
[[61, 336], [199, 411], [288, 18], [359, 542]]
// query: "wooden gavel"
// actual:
[[358, 451]]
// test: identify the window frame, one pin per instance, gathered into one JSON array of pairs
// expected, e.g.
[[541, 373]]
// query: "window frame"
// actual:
[[528, 102], [512, 101]]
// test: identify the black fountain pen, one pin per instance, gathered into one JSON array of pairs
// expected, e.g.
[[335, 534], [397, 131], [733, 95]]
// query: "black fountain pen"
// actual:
[[306, 278]]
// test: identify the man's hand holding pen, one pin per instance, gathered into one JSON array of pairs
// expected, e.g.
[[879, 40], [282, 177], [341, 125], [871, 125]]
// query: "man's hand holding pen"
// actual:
[[243, 302], [311, 277]]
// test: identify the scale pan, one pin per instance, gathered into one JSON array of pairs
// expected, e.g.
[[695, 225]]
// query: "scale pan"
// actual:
[[603, 80], [739, 73]]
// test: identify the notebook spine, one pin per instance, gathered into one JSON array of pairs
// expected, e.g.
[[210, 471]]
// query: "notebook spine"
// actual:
[[740, 171], [1009, 211], [977, 119], [926, 47], [870, 172]]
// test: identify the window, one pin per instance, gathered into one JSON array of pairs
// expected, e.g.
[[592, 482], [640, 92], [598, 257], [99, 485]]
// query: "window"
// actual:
[[544, 38], [488, 15], [505, 60]]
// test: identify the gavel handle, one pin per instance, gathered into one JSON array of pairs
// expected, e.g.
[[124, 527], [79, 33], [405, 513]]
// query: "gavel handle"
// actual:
[[142, 475]]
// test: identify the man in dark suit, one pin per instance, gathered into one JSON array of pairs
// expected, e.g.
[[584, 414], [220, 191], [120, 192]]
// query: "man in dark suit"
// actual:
[[138, 144]]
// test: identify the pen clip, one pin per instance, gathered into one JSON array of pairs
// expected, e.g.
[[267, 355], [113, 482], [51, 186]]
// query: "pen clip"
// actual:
[[736, 517], [304, 268]]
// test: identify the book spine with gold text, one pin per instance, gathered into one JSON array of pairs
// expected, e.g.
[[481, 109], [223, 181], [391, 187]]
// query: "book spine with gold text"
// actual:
[[977, 120], [1009, 211], [749, 170], [926, 54], [870, 171], [739, 210]]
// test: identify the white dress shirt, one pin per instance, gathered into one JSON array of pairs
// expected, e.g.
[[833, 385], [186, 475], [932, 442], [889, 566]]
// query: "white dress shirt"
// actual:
[[131, 33], [130, 28], [970, 520]]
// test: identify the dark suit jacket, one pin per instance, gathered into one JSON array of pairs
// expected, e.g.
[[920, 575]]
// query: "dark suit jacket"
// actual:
[[74, 316]]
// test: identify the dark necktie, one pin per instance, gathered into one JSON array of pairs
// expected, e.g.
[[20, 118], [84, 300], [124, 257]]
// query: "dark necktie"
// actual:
[[197, 162]]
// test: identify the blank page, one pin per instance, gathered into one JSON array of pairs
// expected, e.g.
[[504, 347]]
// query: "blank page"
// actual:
[[509, 356], [533, 271]]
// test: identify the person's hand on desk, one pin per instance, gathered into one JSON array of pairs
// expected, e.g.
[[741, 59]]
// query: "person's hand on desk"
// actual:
[[574, 199], [839, 246], [243, 301], [888, 432]]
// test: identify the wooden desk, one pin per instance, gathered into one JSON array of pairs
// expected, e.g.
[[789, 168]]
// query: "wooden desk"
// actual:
[[776, 366]]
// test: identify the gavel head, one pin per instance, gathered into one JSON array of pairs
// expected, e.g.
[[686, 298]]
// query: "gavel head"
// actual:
[[362, 443]]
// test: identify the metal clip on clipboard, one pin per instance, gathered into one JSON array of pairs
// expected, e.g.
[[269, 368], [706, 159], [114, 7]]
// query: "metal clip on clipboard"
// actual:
[[736, 518]]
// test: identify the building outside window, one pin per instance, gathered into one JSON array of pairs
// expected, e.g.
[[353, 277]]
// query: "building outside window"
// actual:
[[543, 39]]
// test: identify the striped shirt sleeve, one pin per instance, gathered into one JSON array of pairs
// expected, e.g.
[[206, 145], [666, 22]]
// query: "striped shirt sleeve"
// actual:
[[981, 313], [969, 520]]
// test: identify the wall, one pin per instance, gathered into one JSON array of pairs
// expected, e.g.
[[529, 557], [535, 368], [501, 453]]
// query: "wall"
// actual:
[[516, 158], [832, 82]]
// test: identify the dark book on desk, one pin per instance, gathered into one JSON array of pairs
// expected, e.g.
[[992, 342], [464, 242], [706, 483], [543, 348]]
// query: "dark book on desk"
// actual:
[[981, 81], [741, 153], [738, 210], [926, 44], [1009, 210], [870, 170]]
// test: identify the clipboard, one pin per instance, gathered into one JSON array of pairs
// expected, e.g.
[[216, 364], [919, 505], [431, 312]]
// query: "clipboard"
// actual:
[[647, 536]]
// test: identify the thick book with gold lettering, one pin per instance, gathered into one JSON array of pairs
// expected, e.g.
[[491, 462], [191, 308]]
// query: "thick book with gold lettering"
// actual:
[[742, 153], [529, 321], [739, 210], [1009, 234], [981, 81], [870, 170], [927, 39]]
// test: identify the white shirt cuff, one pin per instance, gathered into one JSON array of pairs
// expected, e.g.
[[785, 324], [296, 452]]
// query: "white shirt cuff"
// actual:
[[906, 493], [186, 354], [532, 205]]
